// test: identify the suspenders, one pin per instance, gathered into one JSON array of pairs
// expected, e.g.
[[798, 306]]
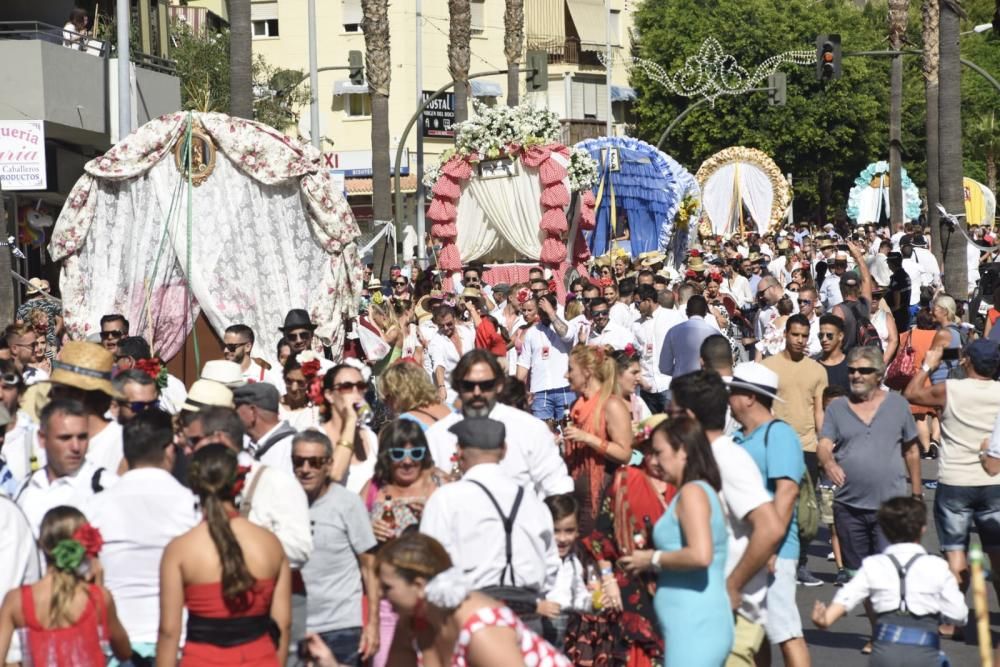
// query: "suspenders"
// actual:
[[508, 527], [902, 570]]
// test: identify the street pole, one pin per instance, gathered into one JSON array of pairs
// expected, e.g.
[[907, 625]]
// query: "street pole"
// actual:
[[314, 131], [791, 203], [122, 11], [607, 74], [421, 222]]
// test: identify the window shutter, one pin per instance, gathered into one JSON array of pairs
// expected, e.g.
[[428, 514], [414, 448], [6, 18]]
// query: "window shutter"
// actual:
[[263, 11]]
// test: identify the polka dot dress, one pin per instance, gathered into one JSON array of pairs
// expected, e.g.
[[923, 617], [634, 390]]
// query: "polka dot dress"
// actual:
[[536, 651]]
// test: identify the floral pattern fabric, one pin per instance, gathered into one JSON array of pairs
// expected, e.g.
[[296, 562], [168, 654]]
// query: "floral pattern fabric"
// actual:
[[269, 233]]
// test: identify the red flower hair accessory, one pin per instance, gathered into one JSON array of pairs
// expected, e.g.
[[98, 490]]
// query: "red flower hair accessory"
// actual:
[[605, 282], [90, 538], [154, 368], [630, 350], [523, 295], [239, 481]]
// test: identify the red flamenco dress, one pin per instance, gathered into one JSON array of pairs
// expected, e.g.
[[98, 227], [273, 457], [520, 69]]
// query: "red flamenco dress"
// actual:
[[240, 633], [630, 638], [77, 645], [591, 471]]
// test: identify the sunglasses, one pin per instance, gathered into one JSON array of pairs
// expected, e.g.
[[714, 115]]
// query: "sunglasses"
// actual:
[[805, 302], [400, 283], [399, 454], [599, 314], [472, 279], [861, 370], [313, 461], [114, 333], [297, 336], [232, 347], [825, 336], [469, 386], [137, 406], [344, 387]]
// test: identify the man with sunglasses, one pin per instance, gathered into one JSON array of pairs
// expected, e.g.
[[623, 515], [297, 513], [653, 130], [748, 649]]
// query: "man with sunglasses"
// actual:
[[832, 357], [601, 330], [270, 436], [862, 438], [807, 300], [138, 392], [545, 355], [114, 327], [134, 349], [343, 555], [532, 456], [472, 276], [495, 529], [24, 342], [237, 346], [446, 347], [298, 331]]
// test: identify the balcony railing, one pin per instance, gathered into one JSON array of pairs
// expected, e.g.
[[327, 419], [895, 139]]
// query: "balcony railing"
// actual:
[[563, 50], [36, 30]]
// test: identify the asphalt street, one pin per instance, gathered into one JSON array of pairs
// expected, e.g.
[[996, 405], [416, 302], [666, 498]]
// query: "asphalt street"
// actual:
[[841, 645]]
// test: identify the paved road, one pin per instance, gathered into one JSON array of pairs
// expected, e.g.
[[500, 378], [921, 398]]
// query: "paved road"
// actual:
[[841, 646]]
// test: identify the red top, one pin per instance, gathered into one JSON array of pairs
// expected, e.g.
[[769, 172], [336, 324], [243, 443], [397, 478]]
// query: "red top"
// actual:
[[206, 600], [78, 645]]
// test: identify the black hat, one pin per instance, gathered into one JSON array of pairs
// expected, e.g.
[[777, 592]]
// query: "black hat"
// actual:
[[297, 318], [479, 433], [918, 241], [894, 256], [262, 394]]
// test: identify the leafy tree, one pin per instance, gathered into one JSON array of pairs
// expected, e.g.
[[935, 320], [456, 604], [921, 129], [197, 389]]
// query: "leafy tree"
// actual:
[[203, 67], [825, 135]]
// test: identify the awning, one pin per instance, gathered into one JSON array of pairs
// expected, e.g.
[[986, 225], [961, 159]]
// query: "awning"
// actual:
[[486, 89], [345, 87], [590, 19], [623, 94], [363, 186]]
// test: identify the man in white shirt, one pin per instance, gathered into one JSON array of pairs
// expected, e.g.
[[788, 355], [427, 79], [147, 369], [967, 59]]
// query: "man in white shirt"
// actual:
[[452, 340], [916, 275], [138, 517], [68, 478], [878, 264], [650, 332], [19, 564], [532, 456], [496, 531], [929, 268], [135, 349], [754, 527], [545, 353], [270, 437], [808, 299], [237, 346], [604, 331], [736, 285], [829, 291], [139, 393]]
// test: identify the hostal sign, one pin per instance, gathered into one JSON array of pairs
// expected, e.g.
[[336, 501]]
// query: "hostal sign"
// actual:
[[22, 155]]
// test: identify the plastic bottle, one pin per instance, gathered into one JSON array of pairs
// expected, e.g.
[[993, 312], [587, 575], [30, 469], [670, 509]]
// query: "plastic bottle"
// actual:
[[594, 584]]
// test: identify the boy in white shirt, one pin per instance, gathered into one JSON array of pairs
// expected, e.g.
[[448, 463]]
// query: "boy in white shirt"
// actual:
[[569, 595], [908, 590]]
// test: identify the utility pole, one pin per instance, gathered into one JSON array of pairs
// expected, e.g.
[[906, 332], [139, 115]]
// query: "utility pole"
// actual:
[[610, 65], [421, 223], [314, 131], [122, 11]]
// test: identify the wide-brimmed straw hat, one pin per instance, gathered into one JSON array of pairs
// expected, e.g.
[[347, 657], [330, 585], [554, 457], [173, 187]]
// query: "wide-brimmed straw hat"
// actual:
[[208, 393], [38, 285], [85, 366]]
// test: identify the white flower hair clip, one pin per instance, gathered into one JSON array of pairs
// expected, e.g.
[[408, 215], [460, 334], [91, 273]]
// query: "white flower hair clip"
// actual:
[[448, 589]]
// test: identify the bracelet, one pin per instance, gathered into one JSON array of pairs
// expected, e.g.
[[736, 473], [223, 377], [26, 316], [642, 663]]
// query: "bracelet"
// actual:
[[925, 368], [346, 444], [607, 572], [655, 561]]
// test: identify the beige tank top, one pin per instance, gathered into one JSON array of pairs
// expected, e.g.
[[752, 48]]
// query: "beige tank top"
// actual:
[[968, 417]]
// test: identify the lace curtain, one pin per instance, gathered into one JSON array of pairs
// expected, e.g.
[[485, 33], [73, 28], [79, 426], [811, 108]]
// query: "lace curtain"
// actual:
[[269, 232], [753, 186]]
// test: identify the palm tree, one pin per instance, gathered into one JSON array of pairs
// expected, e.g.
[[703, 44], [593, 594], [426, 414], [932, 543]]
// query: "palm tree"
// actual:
[[240, 59], [931, 19], [378, 69], [513, 44], [898, 14], [459, 51], [950, 148]]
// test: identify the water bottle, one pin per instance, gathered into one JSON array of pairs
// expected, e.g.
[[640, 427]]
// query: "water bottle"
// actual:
[[364, 412]]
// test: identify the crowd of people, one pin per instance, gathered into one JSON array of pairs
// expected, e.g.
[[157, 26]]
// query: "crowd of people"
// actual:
[[626, 468]]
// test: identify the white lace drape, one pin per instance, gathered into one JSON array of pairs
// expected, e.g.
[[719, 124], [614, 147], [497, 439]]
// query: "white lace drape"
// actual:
[[498, 217], [754, 186], [269, 233]]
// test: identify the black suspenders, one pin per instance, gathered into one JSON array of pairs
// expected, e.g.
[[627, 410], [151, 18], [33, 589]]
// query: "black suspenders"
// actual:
[[508, 527]]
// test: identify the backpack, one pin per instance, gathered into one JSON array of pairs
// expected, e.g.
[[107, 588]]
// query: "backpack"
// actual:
[[865, 333], [807, 509]]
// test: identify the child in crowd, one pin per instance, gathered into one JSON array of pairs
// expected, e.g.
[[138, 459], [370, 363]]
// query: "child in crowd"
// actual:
[[826, 492], [911, 591], [570, 593]]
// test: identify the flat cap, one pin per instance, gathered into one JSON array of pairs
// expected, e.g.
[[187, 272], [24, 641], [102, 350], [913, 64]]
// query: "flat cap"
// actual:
[[262, 394], [479, 433]]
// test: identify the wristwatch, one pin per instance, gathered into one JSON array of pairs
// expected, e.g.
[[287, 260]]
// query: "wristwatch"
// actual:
[[925, 368]]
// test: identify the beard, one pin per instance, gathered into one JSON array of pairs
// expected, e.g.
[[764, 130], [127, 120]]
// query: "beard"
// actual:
[[481, 408]]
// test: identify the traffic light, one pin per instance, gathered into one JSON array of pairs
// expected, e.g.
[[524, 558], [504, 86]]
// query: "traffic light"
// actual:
[[777, 89], [357, 64], [828, 57], [536, 65]]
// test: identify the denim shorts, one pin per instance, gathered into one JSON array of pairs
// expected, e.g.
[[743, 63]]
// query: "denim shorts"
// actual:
[[552, 403], [343, 644], [957, 508]]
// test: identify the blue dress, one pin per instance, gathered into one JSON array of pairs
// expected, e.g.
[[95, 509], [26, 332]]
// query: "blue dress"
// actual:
[[692, 605]]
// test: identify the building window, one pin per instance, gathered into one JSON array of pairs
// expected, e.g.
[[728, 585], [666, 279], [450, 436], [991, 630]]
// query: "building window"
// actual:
[[589, 99], [351, 15], [265, 28], [264, 19], [615, 28], [357, 105], [478, 16]]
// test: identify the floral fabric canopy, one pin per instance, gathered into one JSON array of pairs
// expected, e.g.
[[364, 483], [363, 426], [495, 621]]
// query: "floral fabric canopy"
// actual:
[[258, 229]]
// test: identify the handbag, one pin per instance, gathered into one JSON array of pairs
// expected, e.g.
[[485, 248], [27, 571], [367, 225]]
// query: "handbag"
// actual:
[[903, 367]]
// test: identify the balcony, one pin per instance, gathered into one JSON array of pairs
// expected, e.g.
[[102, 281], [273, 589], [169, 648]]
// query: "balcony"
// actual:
[[564, 51], [73, 89]]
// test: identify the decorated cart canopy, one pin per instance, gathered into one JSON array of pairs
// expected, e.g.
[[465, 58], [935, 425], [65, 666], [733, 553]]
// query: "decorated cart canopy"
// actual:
[[742, 190], [503, 192], [204, 212], [980, 203], [868, 201], [637, 196]]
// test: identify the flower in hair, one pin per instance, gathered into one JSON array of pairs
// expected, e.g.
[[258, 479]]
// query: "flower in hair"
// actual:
[[606, 282], [309, 363], [70, 555], [154, 368], [90, 538], [523, 295], [630, 350], [448, 589], [239, 480]]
